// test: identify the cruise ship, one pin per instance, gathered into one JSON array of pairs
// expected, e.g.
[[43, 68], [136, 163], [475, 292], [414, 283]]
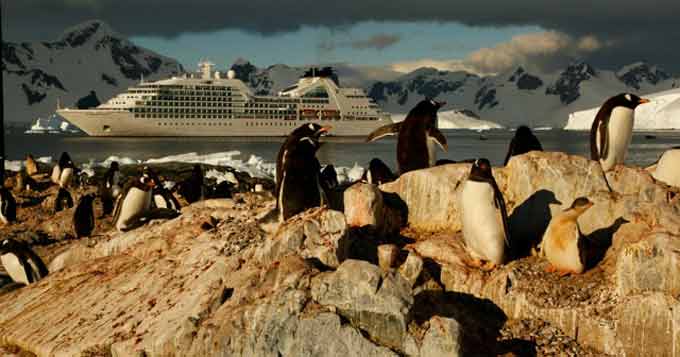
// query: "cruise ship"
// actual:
[[207, 104]]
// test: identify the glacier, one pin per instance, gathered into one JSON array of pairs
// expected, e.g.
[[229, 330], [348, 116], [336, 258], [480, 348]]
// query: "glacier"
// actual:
[[662, 113]]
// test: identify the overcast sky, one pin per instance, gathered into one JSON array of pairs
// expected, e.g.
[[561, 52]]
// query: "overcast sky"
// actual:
[[485, 36]]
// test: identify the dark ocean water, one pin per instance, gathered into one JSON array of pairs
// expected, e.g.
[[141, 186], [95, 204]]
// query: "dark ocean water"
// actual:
[[463, 144]]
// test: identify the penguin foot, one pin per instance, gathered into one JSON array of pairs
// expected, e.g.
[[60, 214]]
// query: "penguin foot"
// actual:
[[550, 269], [563, 273], [488, 266], [474, 263]]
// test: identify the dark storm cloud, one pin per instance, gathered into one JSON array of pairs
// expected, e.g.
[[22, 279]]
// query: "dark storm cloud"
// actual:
[[638, 29]]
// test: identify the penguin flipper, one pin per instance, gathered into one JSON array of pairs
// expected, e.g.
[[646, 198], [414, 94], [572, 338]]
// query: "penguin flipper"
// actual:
[[383, 131], [500, 204], [511, 149], [438, 138]]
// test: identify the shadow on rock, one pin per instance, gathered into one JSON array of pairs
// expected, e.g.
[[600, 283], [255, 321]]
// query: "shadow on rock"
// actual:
[[481, 321], [529, 221], [599, 241]]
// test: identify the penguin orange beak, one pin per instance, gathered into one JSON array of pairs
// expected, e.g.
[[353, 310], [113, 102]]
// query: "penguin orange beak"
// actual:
[[325, 129], [644, 100]]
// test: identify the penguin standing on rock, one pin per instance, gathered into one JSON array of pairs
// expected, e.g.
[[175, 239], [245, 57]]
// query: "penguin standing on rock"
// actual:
[[134, 204], [563, 244], [110, 189], [63, 172], [193, 189], [523, 142], [83, 216], [612, 129], [484, 217], [21, 263], [417, 136], [298, 185], [8, 206]]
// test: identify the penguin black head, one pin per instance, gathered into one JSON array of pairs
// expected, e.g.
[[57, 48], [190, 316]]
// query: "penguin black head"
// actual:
[[523, 131], [148, 177], [114, 166], [65, 160], [307, 136], [580, 205], [481, 170], [627, 100], [426, 109]]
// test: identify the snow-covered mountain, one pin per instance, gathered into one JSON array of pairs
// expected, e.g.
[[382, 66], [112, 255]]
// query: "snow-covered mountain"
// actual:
[[86, 63], [520, 97], [509, 99]]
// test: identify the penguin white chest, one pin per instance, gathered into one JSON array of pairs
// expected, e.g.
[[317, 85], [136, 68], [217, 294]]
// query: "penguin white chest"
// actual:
[[14, 268], [56, 174], [483, 229], [159, 201], [668, 168], [619, 133], [135, 202], [65, 177]]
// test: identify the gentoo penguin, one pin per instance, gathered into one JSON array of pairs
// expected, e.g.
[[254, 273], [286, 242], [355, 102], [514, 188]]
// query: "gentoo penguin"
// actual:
[[83, 216], [31, 165], [63, 171], [328, 178], [612, 129], [193, 189], [484, 217], [378, 173], [297, 171], [162, 197], [8, 206], [110, 188], [134, 204], [20, 262], [417, 136], [523, 142], [562, 243], [63, 201]]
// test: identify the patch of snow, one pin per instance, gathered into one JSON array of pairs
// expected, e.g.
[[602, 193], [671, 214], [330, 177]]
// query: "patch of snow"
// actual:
[[54, 124]]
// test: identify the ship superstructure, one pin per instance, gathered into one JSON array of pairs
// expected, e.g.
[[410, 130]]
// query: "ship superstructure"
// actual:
[[210, 104]]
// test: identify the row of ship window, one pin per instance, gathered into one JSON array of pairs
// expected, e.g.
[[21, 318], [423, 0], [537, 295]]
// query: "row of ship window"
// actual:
[[291, 123]]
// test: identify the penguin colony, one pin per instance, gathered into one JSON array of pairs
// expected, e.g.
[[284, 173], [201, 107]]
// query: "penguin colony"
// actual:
[[301, 184], [483, 212]]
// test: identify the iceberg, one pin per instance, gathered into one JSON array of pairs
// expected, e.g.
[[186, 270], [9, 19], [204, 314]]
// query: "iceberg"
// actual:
[[662, 113], [54, 124]]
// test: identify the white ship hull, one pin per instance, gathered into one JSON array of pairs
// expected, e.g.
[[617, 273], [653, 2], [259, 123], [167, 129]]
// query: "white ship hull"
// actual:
[[96, 122]]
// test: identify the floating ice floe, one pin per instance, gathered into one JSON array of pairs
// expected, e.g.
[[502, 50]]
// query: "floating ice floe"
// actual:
[[454, 119]]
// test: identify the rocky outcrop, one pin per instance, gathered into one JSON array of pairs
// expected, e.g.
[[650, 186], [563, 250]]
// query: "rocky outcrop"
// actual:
[[224, 278], [633, 261]]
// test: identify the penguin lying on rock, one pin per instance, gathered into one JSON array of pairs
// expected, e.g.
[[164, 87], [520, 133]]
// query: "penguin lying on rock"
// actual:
[[20, 262], [484, 217], [417, 136], [563, 244], [63, 200], [378, 173], [298, 186]]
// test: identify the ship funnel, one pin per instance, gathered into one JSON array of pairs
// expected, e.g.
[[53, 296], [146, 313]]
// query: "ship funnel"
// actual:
[[205, 67]]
